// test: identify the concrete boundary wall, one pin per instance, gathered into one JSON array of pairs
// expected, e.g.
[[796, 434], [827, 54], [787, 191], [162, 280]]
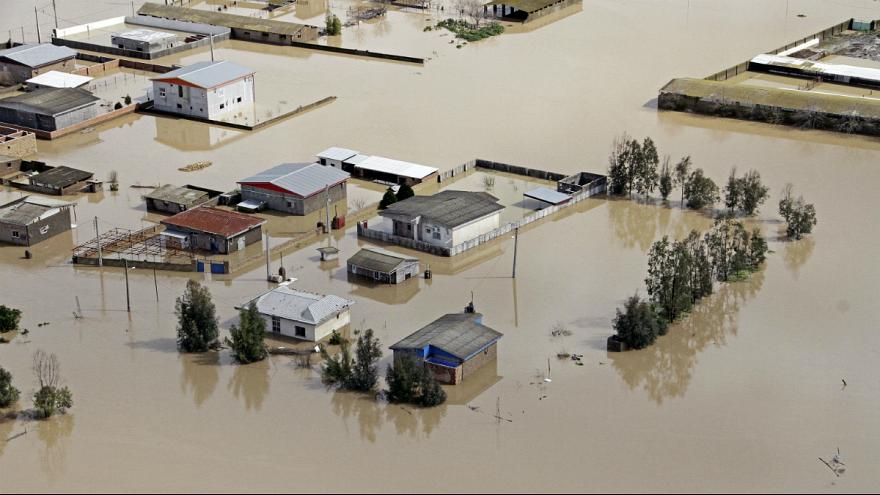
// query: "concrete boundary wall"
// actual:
[[148, 108], [359, 53], [84, 28], [100, 119]]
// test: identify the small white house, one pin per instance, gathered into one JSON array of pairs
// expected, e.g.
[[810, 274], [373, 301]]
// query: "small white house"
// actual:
[[206, 90], [335, 156], [302, 315]]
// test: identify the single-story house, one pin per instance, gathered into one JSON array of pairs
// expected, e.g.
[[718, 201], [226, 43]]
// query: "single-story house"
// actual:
[[302, 315], [20, 63], [390, 171], [452, 347], [447, 218], [212, 229], [174, 199], [57, 79], [335, 157], [60, 181], [296, 188], [29, 220], [144, 40], [383, 266], [205, 90], [50, 109]]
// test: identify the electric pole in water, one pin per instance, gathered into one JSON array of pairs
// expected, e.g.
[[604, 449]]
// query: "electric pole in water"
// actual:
[[127, 297], [98, 239], [37, 17], [515, 240], [55, 11]]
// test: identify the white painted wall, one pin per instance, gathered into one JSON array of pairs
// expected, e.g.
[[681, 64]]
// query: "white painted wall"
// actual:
[[313, 334], [476, 228], [203, 103]]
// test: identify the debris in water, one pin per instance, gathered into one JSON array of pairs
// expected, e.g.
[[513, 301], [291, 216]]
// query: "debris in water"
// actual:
[[836, 465], [192, 167], [844, 383]]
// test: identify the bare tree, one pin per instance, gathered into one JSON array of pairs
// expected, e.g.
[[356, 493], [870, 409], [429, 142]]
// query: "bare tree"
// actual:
[[47, 369]]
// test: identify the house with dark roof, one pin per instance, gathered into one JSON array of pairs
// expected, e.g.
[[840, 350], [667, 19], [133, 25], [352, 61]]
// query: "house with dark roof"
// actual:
[[211, 229], [300, 314], [206, 90], [383, 266], [295, 188], [20, 63], [29, 220], [452, 347], [60, 181], [446, 219], [174, 199], [49, 109]]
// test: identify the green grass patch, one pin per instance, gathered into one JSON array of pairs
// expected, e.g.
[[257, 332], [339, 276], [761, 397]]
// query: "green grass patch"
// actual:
[[468, 32]]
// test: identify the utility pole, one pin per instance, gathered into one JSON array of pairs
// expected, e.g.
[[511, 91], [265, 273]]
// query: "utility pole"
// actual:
[[22, 34], [327, 225], [55, 11], [211, 37], [127, 297], [37, 18], [156, 284], [267, 257], [132, 8], [515, 241], [98, 239]]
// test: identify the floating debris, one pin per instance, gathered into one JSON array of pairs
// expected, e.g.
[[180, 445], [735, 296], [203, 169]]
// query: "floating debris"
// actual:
[[192, 167]]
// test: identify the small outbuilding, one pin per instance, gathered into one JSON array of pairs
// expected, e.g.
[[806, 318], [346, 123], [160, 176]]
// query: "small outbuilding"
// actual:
[[451, 347], [60, 181], [144, 40], [546, 197], [295, 188], [20, 63], [391, 171], [29, 220], [300, 314], [335, 157], [212, 229], [383, 266], [57, 79], [49, 109], [328, 253], [174, 199]]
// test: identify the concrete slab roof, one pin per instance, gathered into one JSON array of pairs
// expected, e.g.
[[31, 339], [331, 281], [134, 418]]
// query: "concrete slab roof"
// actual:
[[58, 79]]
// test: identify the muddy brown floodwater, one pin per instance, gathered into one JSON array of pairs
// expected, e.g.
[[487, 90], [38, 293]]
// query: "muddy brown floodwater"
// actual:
[[745, 394]]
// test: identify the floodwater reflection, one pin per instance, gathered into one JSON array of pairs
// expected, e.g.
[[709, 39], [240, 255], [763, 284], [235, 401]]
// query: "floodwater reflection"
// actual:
[[665, 369], [371, 414], [250, 382], [199, 375], [54, 434], [636, 224], [796, 253]]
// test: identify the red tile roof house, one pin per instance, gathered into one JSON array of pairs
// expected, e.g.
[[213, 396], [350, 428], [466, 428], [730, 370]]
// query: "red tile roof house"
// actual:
[[212, 229]]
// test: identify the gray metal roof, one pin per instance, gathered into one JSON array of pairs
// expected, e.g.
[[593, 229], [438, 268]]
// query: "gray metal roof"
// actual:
[[302, 179], [296, 305], [447, 208], [244, 22], [50, 101], [37, 55], [177, 194], [459, 334], [144, 35], [207, 74], [380, 260], [28, 210], [547, 195], [61, 177], [336, 153]]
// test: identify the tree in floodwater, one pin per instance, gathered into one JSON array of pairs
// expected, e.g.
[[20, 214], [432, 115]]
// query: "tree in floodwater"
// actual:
[[337, 369], [9, 318], [646, 160], [679, 274], [332, 24], [361, 372], [247, 337], [196, 319], [665, 182], [8, 393], [734, 251], [745, 193], [799, 215], [51, 397], [638, 325], [410, 382], [682, 174], [619, 165], [700, 191]]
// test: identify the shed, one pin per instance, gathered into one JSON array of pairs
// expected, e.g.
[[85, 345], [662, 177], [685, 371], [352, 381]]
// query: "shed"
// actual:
[[59, 181], [328, 253], [216, 230], [57, 79], [393, 171], [383, 266], [29, 220], [300, 314], [174, 199], [335, 156], [451, 347], [20, 63], [49, 109], [144, 40], [547, 196]]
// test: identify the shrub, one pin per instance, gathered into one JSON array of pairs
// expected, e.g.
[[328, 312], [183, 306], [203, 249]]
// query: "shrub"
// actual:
[[9, 318], [405, 192], [639, 324], [360, 372], [8, 393], [49, 400], [409, 382], [700, 191], [127, 99], [388, 199], [117, 106]]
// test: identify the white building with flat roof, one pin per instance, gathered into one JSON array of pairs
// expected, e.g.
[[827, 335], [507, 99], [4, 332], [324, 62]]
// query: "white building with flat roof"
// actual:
[[144, 40], [335, 156], [57, 79], [206, 90]]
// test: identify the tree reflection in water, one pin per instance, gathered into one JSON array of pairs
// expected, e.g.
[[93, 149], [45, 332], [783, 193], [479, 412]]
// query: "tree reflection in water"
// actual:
[[251, 383], [664, 370], [371, 414], [54, 434], [200, 374], [796, 253], [637, 224]]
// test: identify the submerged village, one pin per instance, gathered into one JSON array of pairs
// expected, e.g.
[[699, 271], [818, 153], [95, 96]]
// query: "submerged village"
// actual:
[[342, 240]]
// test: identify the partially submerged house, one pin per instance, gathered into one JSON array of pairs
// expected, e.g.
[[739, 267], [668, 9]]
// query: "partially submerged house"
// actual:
[[205, 90], [302, 315], [391, 171], [144, 40], [211, 229], [20, 63], [383, 266], [60, 181], [451, 347], [50, 109], [335, 157], [295, 188], [175, 199], [57, 79], [29, 220], [447, 218]]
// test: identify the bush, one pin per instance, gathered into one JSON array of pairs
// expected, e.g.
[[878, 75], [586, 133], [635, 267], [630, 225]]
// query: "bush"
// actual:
[[127, 99], [117, 106], [9, 318], [336, 338], [360, 373], [409, 382], [800, 216], [405, 192], [247, 338], [468, 32], [639, 324], [8, 393], [332, 25], [49, 400], [388, 199], [196, 319], [700, 191]]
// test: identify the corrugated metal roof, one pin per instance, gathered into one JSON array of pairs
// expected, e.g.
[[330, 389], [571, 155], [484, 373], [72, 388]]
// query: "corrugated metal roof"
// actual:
[[547, 195], [50, 101], [335, 153], [448, 208], [214, 221], [296, 305], [223, 19], [57, 79], [61, 177], [207, 74], [380, 260], [177, 194], [302, 179], [395, 167], [812, 67], [459, 334], [529, 6], [28, 210], [37, 55]]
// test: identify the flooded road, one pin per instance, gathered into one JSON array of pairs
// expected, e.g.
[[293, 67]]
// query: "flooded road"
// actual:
[[743, 395]]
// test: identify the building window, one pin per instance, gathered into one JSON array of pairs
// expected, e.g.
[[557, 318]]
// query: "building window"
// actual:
[[222, 106], [16, 235], [180, 91], [162, 92], [300, 331], [436, 233], [179, 106], [239, 99], [276, 324]]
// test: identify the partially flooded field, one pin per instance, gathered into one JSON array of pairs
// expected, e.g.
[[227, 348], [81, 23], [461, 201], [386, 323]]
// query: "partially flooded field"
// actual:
[[744, 394]]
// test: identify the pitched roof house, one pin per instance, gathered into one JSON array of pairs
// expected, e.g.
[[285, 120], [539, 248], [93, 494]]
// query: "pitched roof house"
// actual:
[[383, 266], [212, 229], [297, 188], [300, 314]]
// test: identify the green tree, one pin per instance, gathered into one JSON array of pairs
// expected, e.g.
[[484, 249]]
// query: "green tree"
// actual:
[[127, 99], [365, 372], [196, 319], [9, 319], [729, 246], [430, 392], [247, 338], [8, 393], [405, 192], [799, 215], [638, 325], [682, 174], [51, 400], [732, 191], [332, 24], [753, 193], [618, 165], [645, 167], [666, 180], [701, 279], [337, 369], [404, 379], [757, 250], [700, 191], [388, 199]]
